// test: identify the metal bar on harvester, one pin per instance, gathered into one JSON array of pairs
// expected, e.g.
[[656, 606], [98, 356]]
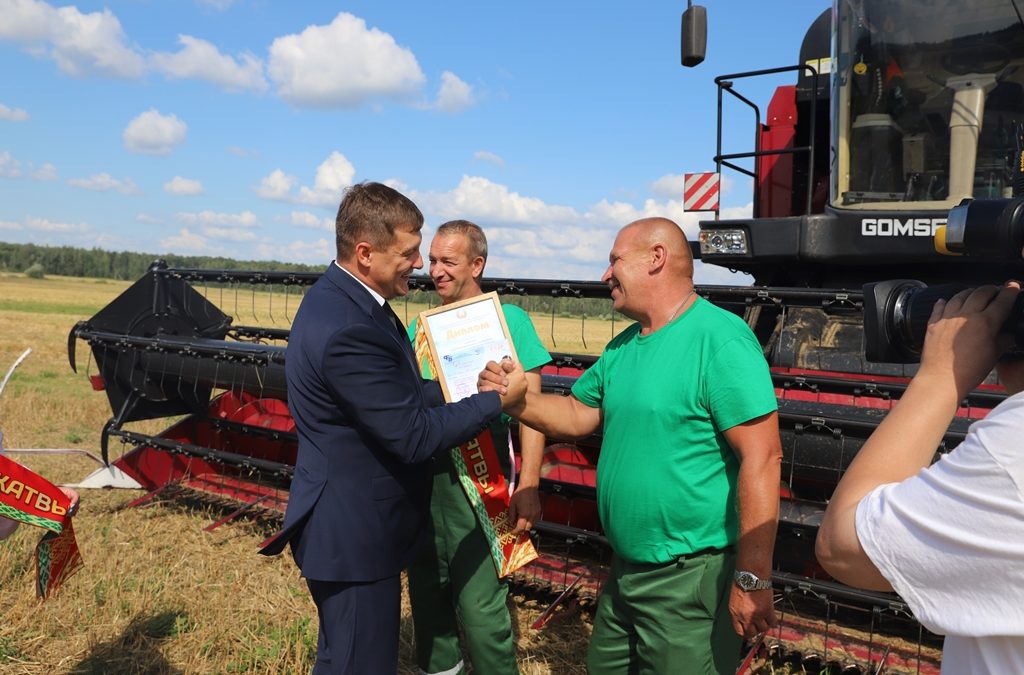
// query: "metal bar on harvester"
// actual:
[[889, 601], [10, 371], [237, 512], [754, 646], [149, 495], [545, 616], [222, 456]]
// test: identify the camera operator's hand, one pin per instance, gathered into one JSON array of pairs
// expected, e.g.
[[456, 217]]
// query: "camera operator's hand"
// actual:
[[963, 340]]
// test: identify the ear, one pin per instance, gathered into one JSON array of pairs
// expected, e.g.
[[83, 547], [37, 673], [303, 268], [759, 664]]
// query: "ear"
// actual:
[[478, 266], [659, 256], [363, 253]]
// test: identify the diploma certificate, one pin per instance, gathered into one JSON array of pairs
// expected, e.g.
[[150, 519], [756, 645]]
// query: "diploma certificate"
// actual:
[[463, 337]]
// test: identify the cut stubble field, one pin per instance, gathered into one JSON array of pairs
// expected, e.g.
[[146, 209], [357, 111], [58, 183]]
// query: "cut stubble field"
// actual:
[[157, 593]]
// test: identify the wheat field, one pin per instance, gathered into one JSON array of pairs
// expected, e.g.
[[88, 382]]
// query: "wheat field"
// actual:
[[157, 593]]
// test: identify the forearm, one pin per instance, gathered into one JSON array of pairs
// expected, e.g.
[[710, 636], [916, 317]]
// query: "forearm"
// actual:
[[556, 416], [531, 450], [758, 506], [531, 442]]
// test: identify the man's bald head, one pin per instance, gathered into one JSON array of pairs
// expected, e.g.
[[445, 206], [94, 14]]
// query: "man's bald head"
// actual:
[[651, 232]]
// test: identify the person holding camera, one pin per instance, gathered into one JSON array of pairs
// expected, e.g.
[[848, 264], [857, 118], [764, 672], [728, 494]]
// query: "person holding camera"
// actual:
[[949, 536]]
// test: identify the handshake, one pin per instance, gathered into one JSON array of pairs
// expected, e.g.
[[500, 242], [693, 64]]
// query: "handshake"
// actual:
[[509, 380]]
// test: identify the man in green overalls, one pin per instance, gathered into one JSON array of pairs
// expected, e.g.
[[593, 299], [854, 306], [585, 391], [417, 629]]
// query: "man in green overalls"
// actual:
[[453, 581]]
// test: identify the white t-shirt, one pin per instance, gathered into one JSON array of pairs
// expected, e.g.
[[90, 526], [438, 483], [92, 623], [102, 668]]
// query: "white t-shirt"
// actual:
[[950, 540]]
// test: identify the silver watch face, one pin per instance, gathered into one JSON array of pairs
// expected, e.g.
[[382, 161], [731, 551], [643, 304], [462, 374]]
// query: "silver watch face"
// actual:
[[746, 580]]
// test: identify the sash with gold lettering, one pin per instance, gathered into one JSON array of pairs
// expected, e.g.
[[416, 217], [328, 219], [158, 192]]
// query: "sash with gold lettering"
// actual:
[[479, 472], [31, 499]]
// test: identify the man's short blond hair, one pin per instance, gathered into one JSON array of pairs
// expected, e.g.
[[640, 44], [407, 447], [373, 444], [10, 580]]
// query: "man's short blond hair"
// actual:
[[473, 232]]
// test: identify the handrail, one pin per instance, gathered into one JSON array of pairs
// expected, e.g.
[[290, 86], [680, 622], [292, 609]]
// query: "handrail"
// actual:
[[724, 83]]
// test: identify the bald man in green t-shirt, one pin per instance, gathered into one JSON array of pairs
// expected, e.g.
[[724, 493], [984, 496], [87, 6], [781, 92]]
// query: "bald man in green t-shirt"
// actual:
[[689, 470]]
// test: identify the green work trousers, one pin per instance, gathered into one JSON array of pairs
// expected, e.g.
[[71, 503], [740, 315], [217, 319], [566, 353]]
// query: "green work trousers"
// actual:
[[666, 619], [453, 582]]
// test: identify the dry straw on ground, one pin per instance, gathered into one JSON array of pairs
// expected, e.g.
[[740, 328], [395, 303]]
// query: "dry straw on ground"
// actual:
[[158, 594]]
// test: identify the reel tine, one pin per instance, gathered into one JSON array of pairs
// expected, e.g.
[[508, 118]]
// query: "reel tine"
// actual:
[[270, 303]]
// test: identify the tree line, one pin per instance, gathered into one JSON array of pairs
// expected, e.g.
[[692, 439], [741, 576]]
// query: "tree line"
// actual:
[[95, 262]]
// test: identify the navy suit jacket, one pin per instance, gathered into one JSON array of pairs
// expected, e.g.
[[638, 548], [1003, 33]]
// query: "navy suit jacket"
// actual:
[[366, 422]]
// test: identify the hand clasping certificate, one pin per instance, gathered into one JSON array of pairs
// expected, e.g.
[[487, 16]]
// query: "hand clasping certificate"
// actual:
[[463, 337]]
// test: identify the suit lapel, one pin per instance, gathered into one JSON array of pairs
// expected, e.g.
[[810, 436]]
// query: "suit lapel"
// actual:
[[381, 315]]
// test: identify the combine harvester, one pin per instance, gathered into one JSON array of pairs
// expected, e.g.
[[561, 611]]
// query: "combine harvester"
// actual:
[[854, 169]]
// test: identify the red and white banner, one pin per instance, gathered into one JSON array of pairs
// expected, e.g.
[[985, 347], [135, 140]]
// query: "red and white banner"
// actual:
[[700, 191]]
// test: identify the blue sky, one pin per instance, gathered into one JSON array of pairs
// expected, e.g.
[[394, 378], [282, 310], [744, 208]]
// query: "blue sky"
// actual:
[[230, 127]]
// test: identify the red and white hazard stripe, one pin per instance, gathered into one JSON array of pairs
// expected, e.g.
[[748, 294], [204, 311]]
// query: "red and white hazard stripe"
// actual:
[[700, 191]]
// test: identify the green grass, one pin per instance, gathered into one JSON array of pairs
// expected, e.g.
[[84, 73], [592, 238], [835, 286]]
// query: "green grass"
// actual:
[[36, 307], [8, 650], [274, 645]]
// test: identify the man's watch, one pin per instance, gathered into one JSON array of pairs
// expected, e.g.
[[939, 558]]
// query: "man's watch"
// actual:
[[748, 581]]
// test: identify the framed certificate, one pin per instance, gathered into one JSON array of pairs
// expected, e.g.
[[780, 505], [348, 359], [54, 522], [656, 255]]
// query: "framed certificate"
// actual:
[[463, 337]]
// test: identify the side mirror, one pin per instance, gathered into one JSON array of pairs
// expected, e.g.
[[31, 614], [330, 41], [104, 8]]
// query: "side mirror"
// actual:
[[694, 35]]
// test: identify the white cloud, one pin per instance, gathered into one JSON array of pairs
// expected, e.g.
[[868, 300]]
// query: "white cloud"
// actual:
[[312, 253], [219, 5], [154, 134], [453, 95], [8, 225], [243, 152], [277, 185], [670, 185], [183, 186], [342, 65], [9, 167], [146, 218], [201, 60], [311, 221], [479, 198], [47, 172], [45, 225], [104, 182], [12, 114], [185, 241], [214, 218], [80, 44], [485, 156], [332, 177], [229, 234]]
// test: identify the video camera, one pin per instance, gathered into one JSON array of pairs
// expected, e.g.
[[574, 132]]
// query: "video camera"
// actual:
[[896, 312]]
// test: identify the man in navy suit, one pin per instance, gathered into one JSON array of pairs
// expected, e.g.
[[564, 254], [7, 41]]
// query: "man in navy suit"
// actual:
[[366, 422]]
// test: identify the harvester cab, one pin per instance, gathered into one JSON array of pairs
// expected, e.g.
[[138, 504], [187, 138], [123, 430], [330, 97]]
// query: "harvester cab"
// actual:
[[913, 110]]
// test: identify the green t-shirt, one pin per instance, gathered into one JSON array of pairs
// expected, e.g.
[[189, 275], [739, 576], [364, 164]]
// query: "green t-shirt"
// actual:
[[666, 477], [531, 353]]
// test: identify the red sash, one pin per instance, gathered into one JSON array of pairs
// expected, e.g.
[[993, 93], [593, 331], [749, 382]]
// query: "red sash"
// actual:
[[31, 499], [480, 475]]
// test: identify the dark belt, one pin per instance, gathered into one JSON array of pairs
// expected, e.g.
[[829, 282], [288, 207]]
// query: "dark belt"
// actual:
[[711, 550]]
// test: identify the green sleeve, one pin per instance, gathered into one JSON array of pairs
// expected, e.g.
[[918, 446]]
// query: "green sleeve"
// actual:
[[738, 383], [589, 388]]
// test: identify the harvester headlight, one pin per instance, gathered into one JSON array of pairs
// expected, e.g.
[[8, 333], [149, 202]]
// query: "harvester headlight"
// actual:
[[725, 241]]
